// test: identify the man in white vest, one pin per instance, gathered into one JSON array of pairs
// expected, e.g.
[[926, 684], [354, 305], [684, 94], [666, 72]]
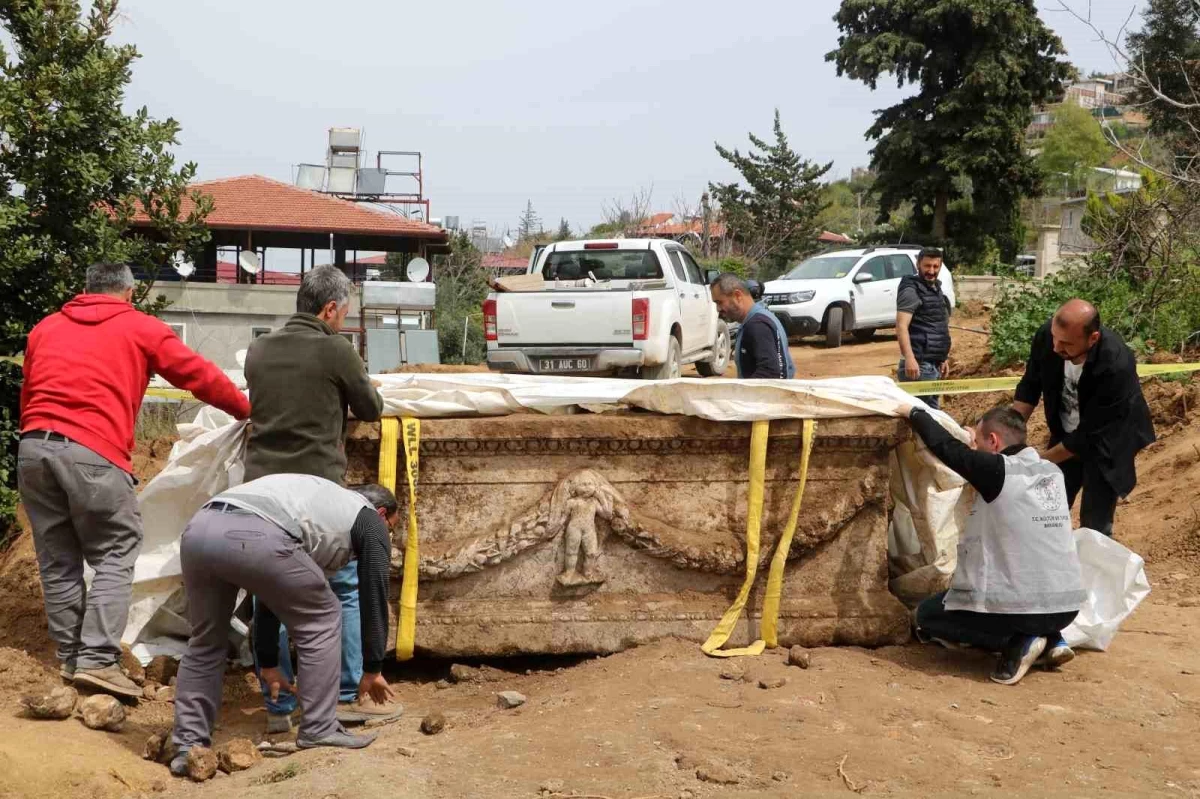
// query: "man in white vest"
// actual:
[[1017, 584], [280, 537]]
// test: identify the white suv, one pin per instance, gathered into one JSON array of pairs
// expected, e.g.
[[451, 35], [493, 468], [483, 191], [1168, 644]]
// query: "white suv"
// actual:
[[845, 290]]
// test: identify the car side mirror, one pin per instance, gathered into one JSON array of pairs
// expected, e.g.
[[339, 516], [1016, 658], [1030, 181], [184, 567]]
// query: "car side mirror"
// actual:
[[863, 277], [711, 276]]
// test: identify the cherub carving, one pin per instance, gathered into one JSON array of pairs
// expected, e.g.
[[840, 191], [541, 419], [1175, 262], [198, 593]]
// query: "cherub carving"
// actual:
[[574, 506]]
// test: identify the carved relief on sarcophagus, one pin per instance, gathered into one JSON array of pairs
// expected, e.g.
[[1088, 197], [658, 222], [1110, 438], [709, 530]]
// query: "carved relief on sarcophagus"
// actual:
[[592, 533]]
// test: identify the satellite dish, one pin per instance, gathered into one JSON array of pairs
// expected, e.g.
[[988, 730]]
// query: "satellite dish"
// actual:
[[182, 265], [418, 270], [249, 262], [240, 356], [508, 242]]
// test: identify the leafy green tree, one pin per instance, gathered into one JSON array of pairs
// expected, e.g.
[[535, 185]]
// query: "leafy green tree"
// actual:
[[74, 169], [1165, 56], [462, 286], [1074, 144], [774, 216], [978, 67], [851, 207]]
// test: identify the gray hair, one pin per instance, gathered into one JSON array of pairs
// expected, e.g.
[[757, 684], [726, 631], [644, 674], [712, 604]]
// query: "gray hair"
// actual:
[[321, 286], [728, 283], [108, 279], [378, 496]]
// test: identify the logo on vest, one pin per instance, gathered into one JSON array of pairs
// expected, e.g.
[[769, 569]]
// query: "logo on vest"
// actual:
[[1046, 494]]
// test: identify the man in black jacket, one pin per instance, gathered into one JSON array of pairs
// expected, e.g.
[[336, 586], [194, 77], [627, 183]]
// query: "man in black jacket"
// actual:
[[761, 348], [923, 324], [1097, 415]]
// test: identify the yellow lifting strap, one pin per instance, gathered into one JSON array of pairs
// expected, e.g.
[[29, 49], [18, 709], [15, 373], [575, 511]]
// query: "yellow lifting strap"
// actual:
[[389, 435], [770, 614]]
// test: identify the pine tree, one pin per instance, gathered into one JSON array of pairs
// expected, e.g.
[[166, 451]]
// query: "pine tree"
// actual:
[[530, 224], [774, 216], [978, 67], [564, 230]]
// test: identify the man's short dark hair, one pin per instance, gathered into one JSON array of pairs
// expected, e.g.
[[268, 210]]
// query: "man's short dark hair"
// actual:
[[321, 286], [728, 283], [929, 252], [1092, 325], [1005, 422], [378, 496], [104, 278]]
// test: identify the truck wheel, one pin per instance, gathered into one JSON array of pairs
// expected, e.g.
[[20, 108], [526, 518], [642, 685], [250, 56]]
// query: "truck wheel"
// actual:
[[865, 334], [668, 370], [716, 366], [833, 328]]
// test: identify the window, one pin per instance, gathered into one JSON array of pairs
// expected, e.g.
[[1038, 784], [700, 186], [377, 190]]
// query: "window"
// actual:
[[255, 332], [180, 330], [603, 264], [352, 338], [677, 265], [877, 268], [693, 269], [902, 266], [823, 267]]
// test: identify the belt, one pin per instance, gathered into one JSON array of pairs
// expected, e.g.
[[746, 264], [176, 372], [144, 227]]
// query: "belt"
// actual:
[[225, 507], [44, 435]]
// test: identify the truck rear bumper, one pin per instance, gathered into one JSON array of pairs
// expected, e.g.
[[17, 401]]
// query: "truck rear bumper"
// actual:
[[563, 360]]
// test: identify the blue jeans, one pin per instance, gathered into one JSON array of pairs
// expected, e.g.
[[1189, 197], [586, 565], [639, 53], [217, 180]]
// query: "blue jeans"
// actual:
[[345, 588], [929, 371]]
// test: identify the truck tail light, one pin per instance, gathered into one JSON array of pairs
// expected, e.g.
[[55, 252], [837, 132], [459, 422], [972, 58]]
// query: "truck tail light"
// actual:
[[641, 318], [489, 320]]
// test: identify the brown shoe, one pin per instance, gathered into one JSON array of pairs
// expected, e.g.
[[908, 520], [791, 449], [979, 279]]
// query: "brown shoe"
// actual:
[[367, 709], [109, 680]]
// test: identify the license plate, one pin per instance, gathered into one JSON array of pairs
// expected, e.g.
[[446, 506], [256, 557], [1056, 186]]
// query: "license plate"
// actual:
[[565, 365]]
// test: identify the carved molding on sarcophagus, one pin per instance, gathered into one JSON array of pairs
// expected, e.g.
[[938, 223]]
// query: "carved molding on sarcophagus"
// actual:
[[594, 533]]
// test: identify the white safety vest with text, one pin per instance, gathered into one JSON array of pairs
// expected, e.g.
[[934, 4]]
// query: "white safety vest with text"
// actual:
[[1017, 553]]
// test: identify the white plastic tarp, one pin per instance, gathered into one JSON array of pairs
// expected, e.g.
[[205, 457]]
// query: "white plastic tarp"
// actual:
[[207, 460], [1115, 581]]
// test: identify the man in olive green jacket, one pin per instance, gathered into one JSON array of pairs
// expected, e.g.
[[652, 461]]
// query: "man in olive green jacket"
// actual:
[[302, 378]]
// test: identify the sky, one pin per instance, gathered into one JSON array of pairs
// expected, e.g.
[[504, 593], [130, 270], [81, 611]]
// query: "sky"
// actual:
[[566, 105]]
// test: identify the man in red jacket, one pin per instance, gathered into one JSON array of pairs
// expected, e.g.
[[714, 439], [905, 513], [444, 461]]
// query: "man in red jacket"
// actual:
[[86, 371]]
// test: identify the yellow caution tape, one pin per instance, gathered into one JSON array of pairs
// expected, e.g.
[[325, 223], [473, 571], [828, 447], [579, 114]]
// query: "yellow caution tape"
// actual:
[[984, 384], [17, 359], [406, 628], [770, 614]]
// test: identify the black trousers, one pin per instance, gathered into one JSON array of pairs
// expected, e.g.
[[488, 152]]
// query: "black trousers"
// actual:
[[1099, 500], [992, 632]]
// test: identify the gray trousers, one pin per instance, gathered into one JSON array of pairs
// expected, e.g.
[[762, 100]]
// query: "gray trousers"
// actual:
[[221, 552], [82, 508]]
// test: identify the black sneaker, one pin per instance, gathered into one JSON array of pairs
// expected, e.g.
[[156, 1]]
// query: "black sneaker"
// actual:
[[1016, 660]]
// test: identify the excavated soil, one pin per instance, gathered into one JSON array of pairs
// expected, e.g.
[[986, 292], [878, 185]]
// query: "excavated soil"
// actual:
[[660, 721]]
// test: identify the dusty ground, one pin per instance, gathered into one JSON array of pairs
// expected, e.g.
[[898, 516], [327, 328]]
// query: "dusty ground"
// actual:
[[904, 721]]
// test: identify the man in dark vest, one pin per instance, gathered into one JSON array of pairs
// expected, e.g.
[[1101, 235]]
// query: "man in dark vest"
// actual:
[[1095, 410], [761, 348], [923, 323]]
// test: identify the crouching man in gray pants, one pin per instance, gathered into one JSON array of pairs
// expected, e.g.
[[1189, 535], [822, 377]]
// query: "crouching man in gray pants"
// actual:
[[279, 537]]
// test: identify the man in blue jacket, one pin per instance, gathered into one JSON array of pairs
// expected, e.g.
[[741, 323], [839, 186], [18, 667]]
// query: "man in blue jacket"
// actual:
[[761, 348]]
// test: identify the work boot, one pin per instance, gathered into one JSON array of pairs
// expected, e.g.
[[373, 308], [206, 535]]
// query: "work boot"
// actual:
[[278, 723], [367, 709], [1057, 653], [109, 680], [1017, 658], [66, 670], [179, 764], [340, 738]]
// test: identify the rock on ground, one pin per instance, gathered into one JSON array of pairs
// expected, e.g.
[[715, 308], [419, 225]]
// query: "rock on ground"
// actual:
[[768, 683], [150, 691], [58, 704], [510, 699], [237, 755], [717, 773], [103, 712], [406, 751], [131, 666], [166, 694], [153, 748], [433, 723], [732, 672], [799, 656], [201, 763], [162, 669]]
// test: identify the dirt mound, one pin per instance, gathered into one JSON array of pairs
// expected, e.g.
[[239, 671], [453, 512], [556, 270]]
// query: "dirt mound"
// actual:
[[22, 674], [150, 456], [23, 623]]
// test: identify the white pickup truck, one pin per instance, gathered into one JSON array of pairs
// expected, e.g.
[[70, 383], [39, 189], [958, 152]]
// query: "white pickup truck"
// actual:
[[631, 306]]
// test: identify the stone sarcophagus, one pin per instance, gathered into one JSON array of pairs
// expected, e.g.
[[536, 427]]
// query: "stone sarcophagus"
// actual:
[[592, 533]]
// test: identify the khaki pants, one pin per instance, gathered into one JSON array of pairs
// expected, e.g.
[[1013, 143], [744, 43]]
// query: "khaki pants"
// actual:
[[82, 509]]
